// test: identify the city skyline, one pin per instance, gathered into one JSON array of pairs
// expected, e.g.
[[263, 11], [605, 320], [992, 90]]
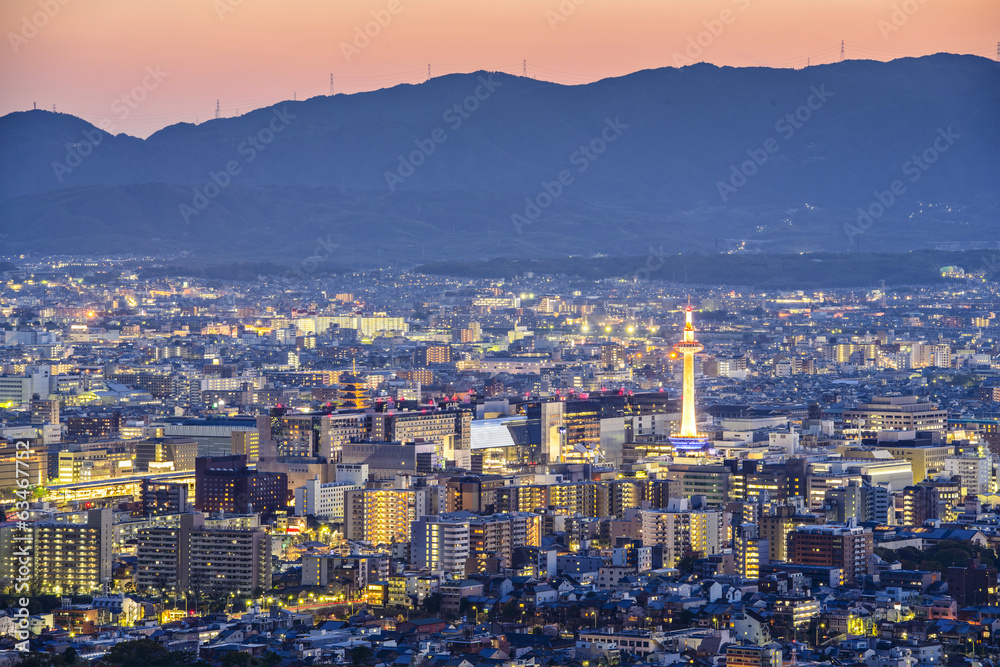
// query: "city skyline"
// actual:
[[247, 55]]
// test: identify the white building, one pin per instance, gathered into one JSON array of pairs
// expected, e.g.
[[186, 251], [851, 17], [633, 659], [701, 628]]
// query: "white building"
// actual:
[[973, 469], [324, 501]]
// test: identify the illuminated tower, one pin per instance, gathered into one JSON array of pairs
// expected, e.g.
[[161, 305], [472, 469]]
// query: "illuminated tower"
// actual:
[[688, 437], [353, 392]]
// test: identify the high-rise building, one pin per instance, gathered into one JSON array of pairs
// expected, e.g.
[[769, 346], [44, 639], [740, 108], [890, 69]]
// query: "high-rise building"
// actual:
[[103, 426], [474, 493], [229, 560], [16, 460], [974, 585], [163, 497], [432, 354], [44, 411], [457, 542], [831, 545], [750, 551], [862, 501], [613, 355], [383, 516], [165, 455], [189, 556], [72, 556], [974, 470], [246, 443], [324, 501], [776, 525], [681, 531], [224, 484], [937, 499]]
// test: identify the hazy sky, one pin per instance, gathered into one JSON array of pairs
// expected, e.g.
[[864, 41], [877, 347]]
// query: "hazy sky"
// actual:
[[172, 59]]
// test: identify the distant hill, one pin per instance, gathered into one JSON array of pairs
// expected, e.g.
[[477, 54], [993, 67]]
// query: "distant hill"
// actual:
[[313, 173]]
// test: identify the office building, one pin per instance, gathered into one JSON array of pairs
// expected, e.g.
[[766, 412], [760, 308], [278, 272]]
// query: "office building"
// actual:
[[163, 498], [224, 484], [323, 501], [839, 546], [246, 443], [165, 455], [44, 411], [894, 413]]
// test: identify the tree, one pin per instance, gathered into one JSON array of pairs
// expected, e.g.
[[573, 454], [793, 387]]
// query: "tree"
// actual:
[[147, 653], [432, 603], [686, 563], [361, 656]]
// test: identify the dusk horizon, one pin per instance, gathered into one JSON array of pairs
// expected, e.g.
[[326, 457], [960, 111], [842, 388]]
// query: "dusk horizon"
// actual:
[[248, 55]]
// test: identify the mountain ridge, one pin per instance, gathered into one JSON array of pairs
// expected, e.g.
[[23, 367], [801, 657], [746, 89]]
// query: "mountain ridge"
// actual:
[[672, 175]]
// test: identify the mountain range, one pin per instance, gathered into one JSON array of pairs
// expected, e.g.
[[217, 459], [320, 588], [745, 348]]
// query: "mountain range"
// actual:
[[468, 166]]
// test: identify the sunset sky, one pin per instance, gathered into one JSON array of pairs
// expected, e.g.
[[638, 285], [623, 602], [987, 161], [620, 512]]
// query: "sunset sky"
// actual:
[[251, 53]]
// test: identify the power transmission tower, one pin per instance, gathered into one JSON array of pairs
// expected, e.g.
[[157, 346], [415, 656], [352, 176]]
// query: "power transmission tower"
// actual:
[[428, 71], [217, 111], [525, 69], [331, 84], [841, 49]]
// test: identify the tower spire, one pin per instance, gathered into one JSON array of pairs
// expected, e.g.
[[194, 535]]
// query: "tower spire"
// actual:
[[687, 347]]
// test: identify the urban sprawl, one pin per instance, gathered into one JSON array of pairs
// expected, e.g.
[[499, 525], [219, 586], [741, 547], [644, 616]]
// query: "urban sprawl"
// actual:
[[387, 468]]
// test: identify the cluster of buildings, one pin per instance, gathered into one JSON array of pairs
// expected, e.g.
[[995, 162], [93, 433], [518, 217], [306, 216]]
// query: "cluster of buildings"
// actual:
[[523, 473]]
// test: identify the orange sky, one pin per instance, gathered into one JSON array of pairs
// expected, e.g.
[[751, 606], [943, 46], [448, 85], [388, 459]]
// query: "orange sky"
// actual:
[[250, 53]]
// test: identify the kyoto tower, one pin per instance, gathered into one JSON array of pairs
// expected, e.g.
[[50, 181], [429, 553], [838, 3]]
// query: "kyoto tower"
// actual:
[[688, 437]]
